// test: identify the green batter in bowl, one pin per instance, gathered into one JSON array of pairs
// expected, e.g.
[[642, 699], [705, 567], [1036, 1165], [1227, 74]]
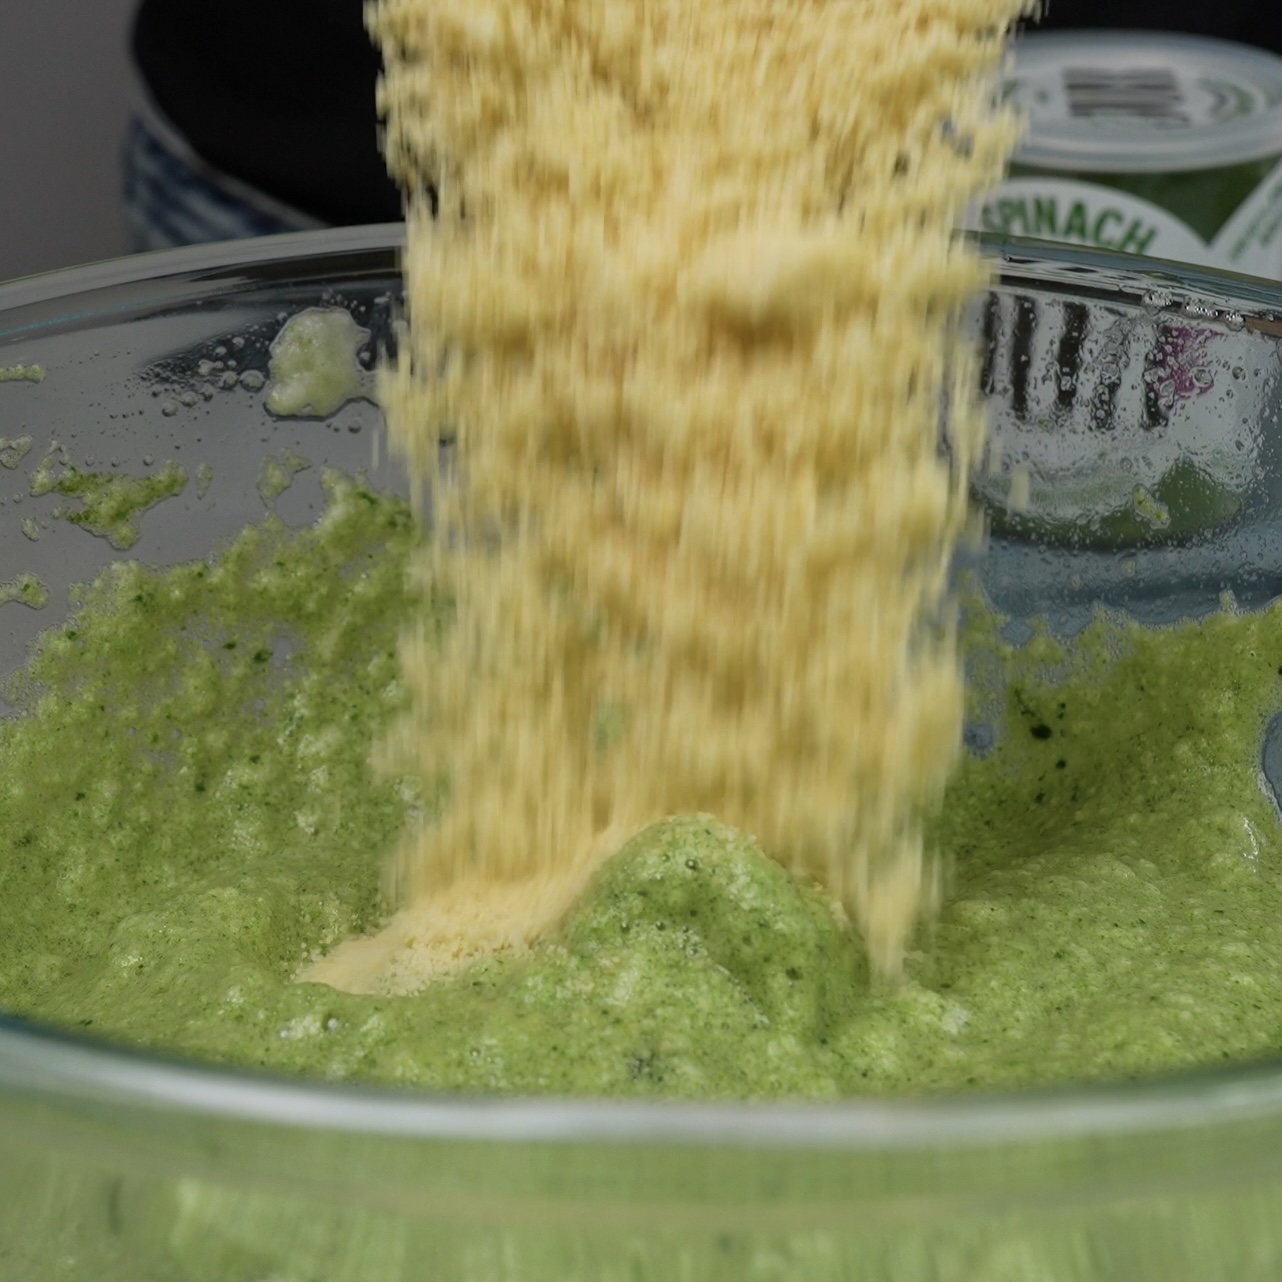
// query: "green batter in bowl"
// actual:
[[203, 556]]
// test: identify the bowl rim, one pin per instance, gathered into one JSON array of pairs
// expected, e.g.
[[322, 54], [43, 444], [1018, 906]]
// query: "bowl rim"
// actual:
[[56, 1068], [202, 262]]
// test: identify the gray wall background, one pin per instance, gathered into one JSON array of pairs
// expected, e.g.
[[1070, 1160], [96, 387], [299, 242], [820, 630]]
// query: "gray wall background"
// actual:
[[65, 89]]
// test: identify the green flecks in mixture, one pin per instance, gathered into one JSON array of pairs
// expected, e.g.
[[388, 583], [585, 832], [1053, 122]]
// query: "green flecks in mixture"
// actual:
[[1118, 870], [186, 808], [277, 475], [22, 374], [695, 966], [187, 813], [27, 590], [30, 528], [204, 479], [314, 367], [13, 450], [110, 506]]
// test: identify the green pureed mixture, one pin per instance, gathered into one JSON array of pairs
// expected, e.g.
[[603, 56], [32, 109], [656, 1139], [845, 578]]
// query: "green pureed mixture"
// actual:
[[188, 814]]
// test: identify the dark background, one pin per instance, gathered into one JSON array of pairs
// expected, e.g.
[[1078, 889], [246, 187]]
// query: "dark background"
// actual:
[[1250, 21], [63, 106]]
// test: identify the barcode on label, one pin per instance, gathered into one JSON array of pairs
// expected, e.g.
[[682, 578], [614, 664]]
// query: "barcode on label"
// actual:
[[1147, 93]]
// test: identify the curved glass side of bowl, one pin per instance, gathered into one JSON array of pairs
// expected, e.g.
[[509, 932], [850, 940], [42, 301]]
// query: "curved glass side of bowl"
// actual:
[[1134, 411]]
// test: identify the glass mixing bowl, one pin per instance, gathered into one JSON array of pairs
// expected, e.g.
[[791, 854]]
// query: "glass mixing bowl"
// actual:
[[1135, 410]]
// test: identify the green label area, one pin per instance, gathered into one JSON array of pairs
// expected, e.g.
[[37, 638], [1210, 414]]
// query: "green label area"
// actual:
[[1048, 217], [1227, 218], [1085, 213]]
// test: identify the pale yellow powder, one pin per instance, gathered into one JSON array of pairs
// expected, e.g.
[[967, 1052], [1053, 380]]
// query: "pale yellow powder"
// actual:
[[688, 314]]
